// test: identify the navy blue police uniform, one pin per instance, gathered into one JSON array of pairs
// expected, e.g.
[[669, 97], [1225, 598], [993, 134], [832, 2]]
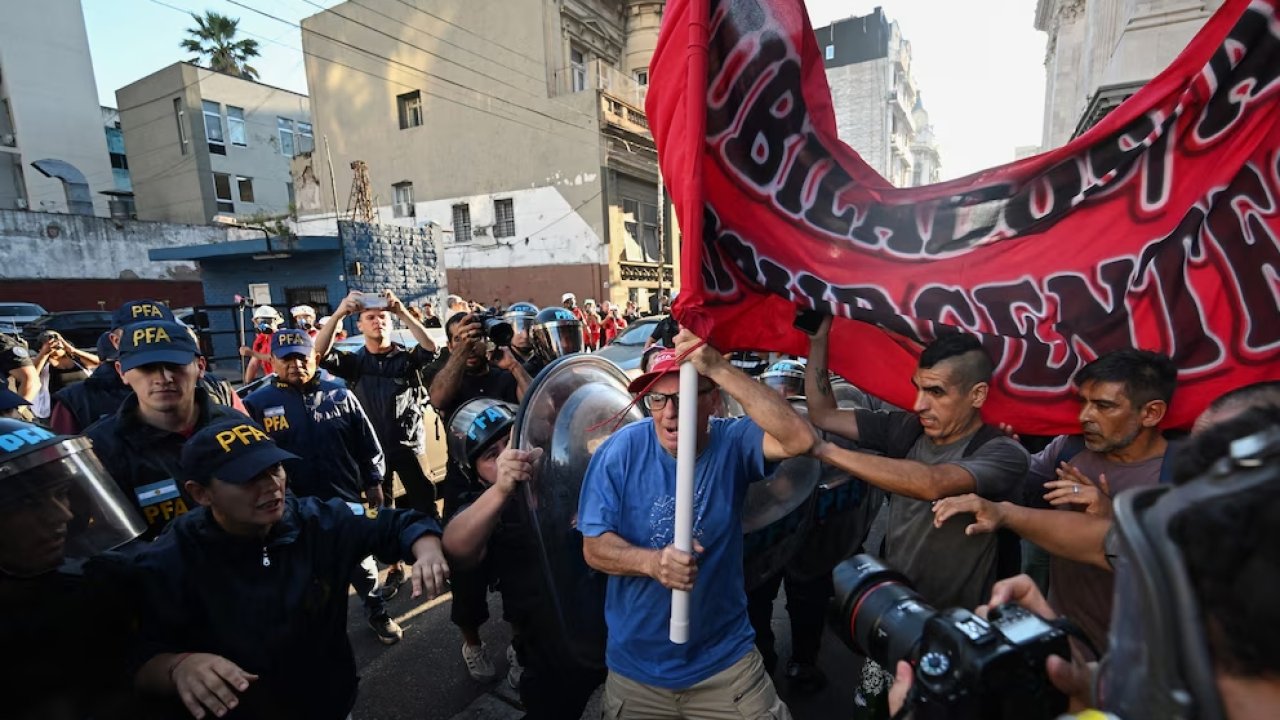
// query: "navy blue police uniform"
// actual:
[[275, 606]]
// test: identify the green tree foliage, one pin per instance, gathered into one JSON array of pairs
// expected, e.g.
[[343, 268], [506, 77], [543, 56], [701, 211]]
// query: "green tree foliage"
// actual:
[[214, 37]]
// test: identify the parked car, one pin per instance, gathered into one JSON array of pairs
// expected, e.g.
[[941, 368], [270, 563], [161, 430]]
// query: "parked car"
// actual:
[[16, 315], [626, 349], [81, 327]]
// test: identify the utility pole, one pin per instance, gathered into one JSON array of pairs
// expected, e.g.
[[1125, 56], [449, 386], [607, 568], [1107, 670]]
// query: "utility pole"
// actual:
[[662, 256]]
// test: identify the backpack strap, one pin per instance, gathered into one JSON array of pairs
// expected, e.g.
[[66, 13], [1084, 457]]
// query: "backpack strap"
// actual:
[[1008, 544], [1072, 447], [1166, 465]]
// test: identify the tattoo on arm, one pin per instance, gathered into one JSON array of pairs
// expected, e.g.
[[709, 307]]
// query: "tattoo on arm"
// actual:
[[824, 385]]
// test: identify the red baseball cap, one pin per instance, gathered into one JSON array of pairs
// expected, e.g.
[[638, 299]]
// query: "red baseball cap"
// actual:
[[662, 362]]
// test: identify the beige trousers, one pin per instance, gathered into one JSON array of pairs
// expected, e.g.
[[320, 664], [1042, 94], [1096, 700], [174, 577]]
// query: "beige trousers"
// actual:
[[743, 691]]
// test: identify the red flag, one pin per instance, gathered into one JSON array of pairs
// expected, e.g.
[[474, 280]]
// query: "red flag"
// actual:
[[1156, 229]]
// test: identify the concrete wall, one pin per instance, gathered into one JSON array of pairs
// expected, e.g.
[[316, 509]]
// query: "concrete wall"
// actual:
[[53, 100], [48, 246], [173, 181]]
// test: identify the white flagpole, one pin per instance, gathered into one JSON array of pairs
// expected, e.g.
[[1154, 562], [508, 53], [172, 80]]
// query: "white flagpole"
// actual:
[[686, 455]]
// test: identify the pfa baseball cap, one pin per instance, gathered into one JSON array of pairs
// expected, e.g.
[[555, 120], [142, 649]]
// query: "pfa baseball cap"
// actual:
[[156, 342], [140, 311], [234, 450], [291, 342]]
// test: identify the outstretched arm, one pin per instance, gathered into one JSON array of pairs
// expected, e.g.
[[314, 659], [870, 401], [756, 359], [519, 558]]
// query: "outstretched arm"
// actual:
[[820, 399]]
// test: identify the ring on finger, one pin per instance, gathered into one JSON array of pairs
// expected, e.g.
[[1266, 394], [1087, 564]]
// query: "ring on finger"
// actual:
[[1075, 489]]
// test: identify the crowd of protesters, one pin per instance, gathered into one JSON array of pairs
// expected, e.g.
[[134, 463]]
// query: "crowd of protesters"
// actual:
[[253, 517]]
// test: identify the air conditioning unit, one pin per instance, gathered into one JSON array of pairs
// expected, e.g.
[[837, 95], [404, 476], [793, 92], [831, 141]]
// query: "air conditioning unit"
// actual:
[[8, 140], [405, 210]]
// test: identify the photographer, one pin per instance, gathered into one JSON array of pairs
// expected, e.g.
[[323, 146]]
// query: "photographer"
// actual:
[[467, 373], [59, 364], [387, 379]]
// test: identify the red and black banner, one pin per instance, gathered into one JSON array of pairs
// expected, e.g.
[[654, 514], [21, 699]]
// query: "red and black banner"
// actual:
[[1159, 228]]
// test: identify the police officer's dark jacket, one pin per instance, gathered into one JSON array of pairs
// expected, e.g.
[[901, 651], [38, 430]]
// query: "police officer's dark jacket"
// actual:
[[100, 395], [390, 388], [324, 425], [143, 460], [277, 607]]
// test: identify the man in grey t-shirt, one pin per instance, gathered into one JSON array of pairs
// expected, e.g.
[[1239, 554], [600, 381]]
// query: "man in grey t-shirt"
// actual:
[[941, 449]]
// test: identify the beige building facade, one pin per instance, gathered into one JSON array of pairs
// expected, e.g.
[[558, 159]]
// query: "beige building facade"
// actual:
[[1100, 52], [203, 143], [49, 112], [517, 127], [879, 111]]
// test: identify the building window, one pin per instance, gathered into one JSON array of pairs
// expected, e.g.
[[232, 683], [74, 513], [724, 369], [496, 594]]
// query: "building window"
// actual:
[[293, 200], [180, 115], [403, 193], [213, 128], [504, 217], [119, 161], [642, 76], [577, 69], [222, 192], [462, 223], [306, 141], [831, 52], [641, 224], [285, 127], [409, 106], [246, 188], [235, 126]]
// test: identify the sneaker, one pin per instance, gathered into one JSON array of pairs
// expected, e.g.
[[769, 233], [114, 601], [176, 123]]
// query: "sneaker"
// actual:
[[395, 578], [514, 668], [386, 629], [478, 663], [805, 678]]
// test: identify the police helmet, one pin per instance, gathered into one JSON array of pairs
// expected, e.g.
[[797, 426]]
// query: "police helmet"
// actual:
[[786, 377], [521, 316], [556, 332], [265, 312], [58, 505], [476, 425]]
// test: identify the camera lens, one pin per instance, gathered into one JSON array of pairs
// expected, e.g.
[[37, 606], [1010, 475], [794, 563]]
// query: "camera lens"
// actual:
[[876, 612], [499, 331]]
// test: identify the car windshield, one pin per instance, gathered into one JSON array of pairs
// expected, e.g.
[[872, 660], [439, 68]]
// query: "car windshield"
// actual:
[[636, 334], [21, 309]]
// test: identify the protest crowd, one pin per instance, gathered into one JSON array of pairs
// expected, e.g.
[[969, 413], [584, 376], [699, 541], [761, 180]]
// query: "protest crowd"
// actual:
[[191, 556]]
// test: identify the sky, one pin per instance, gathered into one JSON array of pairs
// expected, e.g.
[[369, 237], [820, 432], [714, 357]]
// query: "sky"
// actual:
[[981, 74]]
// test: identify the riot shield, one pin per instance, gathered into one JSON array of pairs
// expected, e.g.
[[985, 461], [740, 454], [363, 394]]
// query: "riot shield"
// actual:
[[777, 514], [571, 408]]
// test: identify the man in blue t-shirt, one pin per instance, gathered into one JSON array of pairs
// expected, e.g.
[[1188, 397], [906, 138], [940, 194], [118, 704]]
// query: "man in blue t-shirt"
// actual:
[[626, 514]]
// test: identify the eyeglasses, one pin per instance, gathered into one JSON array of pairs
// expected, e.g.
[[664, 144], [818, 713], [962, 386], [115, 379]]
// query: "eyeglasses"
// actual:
[[656, 401]]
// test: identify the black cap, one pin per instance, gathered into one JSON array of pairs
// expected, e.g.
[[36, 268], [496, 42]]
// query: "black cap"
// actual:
[[156, 342], [233, 450], [140, 311], [10, 400]]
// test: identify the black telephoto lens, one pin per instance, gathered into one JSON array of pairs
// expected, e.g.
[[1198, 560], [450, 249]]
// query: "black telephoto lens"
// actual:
[[876, 612]]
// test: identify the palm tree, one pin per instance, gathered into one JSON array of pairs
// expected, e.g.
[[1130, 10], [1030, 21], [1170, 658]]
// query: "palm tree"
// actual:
[[214, 37]]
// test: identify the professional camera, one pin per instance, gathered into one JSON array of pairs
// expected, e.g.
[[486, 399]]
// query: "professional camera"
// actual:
[[496, 329], [965, 667]]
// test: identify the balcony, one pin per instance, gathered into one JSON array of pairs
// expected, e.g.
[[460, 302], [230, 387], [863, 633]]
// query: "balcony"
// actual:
[[645, 272]]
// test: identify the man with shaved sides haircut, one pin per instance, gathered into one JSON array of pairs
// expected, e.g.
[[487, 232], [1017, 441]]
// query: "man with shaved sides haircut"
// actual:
[[941, 448]]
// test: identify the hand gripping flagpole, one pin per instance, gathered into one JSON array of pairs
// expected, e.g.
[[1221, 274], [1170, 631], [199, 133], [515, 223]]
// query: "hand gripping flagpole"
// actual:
[[695, 100]]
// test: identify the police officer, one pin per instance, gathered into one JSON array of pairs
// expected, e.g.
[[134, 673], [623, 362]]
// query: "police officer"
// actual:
[[243, 611], [265, 322], [65, 614], [556, 332], [77, 407], [386, 378], [465, 374], [521, 317], [491, 532], [16, 368], [338, 454], [139, 445]]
